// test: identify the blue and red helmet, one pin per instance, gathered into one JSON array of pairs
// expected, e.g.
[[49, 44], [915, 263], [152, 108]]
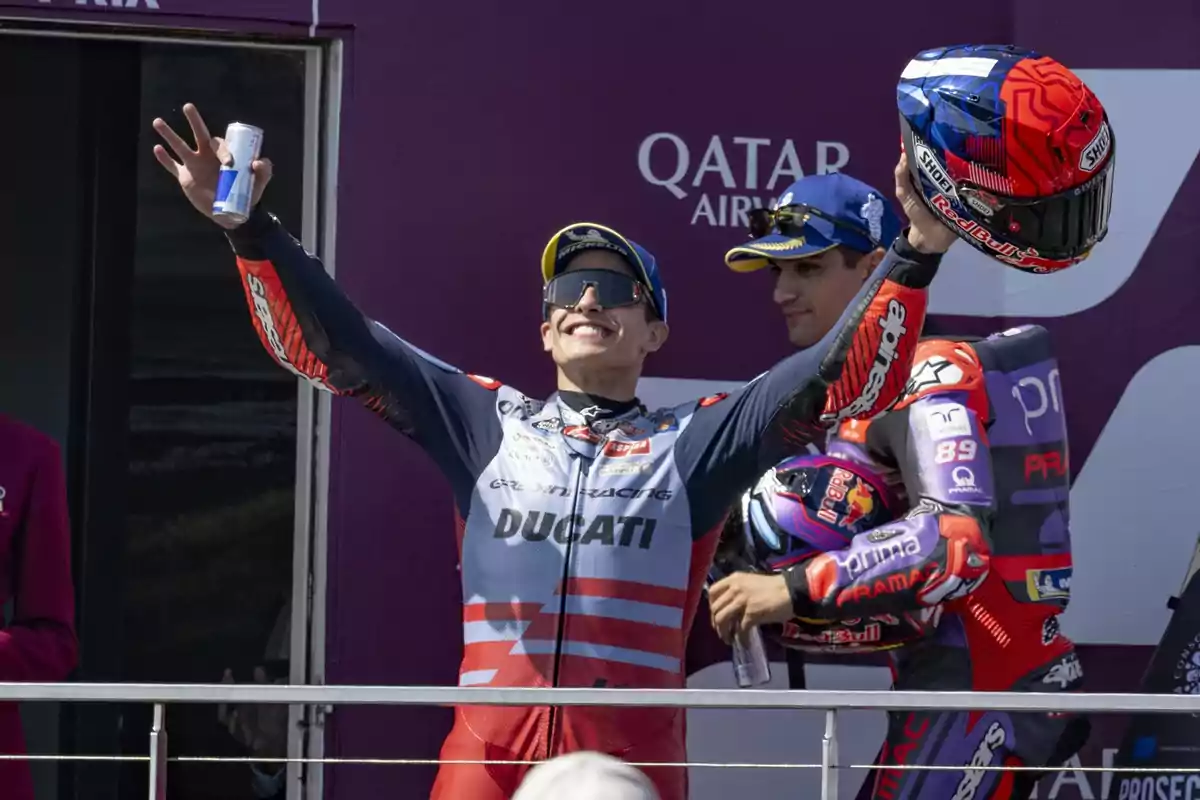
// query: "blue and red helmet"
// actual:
[[1011, 150], [812, 504]]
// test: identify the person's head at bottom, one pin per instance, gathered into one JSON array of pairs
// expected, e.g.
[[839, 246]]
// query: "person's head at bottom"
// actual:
[[586, 776], [603, 308], [822, 239]]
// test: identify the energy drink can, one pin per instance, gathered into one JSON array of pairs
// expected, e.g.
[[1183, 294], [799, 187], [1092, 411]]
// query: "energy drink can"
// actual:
[[751, 667], [735, 549], [235, 185]]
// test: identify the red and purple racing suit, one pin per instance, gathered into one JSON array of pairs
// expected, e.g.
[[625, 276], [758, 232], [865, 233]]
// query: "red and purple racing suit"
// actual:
[[978, 447], [585, 533]]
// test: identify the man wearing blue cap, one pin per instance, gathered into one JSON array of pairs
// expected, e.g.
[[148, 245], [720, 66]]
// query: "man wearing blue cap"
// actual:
[[822, 239], [825, 237], [587, 521], [604, 311]]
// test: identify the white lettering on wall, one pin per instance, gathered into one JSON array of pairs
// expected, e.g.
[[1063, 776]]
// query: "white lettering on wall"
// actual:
[[728, 169]]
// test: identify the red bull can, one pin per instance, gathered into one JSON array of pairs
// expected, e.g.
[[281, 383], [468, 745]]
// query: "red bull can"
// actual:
[[235, 185]]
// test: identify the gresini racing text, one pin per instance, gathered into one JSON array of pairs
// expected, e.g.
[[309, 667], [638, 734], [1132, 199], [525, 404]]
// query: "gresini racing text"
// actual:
[[600, 493]]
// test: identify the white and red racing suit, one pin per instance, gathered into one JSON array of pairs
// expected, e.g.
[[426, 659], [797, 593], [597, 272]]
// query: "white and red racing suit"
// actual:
[[584, 536]]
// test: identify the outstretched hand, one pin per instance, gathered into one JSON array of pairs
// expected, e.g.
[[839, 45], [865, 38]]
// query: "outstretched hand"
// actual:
[[197, 168], [927, 233]]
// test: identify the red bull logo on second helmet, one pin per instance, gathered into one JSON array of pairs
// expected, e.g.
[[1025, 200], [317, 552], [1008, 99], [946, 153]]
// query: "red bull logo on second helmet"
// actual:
[[847, 500]]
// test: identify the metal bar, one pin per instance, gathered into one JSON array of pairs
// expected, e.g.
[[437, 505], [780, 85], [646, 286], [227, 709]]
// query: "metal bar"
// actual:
[[660, 698], [158, 754], [829, 757], [330, 149], [201, 37], [434, 762], [306, 422]]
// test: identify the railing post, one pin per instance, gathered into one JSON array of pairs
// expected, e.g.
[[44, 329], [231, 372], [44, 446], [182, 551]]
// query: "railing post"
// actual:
[[158, 754], [829, 757]]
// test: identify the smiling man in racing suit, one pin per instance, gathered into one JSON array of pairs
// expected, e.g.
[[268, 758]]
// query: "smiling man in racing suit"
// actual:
[[977, 449], [587, 522]]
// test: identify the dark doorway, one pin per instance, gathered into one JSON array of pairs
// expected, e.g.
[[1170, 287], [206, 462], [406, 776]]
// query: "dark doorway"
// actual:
[[124, 334]]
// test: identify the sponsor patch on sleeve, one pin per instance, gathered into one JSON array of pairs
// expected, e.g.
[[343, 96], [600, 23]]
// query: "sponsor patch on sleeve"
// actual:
[[945, 420]]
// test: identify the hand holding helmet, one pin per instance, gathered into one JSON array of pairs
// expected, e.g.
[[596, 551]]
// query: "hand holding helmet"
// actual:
[[926, 233], [805, 506], [1010, 150]]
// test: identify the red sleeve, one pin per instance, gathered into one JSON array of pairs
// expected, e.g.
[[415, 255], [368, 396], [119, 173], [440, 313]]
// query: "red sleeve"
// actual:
[[39, 644]]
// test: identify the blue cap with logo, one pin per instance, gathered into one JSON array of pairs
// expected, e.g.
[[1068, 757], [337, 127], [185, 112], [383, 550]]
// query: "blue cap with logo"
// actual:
[[844, 211], [580, 236]]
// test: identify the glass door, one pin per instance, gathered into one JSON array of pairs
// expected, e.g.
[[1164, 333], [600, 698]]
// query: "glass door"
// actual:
[[192, 458]]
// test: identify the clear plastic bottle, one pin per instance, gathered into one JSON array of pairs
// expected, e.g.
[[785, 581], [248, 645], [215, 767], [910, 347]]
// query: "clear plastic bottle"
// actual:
[[750, 664]]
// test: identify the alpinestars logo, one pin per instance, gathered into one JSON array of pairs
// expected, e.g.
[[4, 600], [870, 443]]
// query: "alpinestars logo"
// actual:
[[1065, 673], [936, 371], [926, 506], [889, 343], [983, 756]]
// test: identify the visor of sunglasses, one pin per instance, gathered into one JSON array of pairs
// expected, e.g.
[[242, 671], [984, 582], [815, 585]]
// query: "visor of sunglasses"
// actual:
[[613, 289], [791, 221]]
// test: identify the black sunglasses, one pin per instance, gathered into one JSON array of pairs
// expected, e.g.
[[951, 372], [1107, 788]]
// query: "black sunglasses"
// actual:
[[613, 290], [792, 220]]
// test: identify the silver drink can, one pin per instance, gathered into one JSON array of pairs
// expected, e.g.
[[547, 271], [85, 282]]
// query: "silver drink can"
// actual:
[[235, 186]]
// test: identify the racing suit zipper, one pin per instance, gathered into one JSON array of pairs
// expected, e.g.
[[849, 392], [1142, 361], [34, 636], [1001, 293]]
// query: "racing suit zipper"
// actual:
[[581, 470]]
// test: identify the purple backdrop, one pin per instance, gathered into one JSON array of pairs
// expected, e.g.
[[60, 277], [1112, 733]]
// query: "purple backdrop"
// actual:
[[468, 137], [515, 125]]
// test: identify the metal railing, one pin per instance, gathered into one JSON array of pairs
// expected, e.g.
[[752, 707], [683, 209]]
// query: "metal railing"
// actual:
[[828, 701]]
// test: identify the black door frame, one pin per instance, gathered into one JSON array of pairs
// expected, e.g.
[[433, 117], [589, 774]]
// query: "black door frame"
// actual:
[[110, 80], [96, 454]]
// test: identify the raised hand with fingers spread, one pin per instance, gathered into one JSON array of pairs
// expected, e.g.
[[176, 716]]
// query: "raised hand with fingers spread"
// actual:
[[197, 169]]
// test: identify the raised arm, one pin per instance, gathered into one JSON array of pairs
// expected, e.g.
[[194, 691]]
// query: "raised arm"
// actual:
[[310, 327], [858, 369], [939, 551]]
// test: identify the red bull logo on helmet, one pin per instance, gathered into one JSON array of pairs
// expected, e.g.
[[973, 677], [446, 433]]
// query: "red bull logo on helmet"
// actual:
[[847, 500], [858, 505]]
